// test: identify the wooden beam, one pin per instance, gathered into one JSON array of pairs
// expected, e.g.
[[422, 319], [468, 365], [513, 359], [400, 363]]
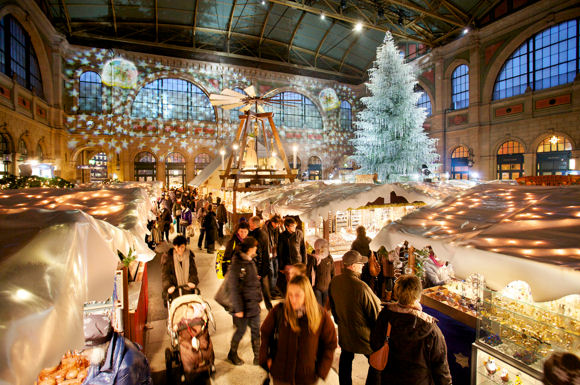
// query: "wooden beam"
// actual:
[[228, 36], [66, 15], [322, 42], [194, 23], [156, 23], [456, 11], [114, 16], [294, 33], [350, 47]]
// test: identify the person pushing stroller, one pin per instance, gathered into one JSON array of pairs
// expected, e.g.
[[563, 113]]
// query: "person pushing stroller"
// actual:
[[178, 270]]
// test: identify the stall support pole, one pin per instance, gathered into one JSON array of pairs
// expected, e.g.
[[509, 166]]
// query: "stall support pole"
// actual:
[[326, 229], [126, 326]]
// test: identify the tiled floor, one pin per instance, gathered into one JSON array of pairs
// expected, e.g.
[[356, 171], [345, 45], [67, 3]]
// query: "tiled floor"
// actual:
[[157, 338]]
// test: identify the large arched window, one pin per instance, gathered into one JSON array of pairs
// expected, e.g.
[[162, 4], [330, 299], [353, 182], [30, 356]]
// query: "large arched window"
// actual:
[[175, 170], [22, 150], [460, 163], [345, 115], [460, 87], [510, 160], [294, 110], [424, 100], [235, 113], [549, 58], [172, 99], [145, 167], [90, 92], [553, 156], [201, 161], [17, 56]]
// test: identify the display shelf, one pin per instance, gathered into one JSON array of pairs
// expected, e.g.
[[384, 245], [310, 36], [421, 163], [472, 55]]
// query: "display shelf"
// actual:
[[482, 353], [455, 313]]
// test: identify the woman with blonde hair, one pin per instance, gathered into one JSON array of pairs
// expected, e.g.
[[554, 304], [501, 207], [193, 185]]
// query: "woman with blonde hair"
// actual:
[[298, 337]]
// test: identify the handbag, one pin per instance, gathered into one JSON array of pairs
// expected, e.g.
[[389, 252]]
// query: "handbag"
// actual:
[[183, 222], [223, 296], [378, 360]]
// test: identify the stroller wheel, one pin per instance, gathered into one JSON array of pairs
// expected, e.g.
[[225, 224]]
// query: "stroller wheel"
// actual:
[[168, 365]]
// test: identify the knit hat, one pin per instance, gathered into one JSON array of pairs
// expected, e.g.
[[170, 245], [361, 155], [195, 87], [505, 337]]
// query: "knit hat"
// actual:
[[562, 369]]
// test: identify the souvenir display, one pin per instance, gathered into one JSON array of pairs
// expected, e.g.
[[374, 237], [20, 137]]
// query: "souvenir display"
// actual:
[[492, 370], [72, 370]]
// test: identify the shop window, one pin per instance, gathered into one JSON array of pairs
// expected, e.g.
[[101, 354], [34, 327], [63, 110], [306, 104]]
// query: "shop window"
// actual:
[[460, 163], [22, 150], [460, 87], [345, 115], [548, 59], [314, 168], [553, 156], [98, 166], [172, 99], [294, 110], [424, 100], [145, 167], [90, 92], [201, 161], [175, 170], [510, 160], [17, 56]]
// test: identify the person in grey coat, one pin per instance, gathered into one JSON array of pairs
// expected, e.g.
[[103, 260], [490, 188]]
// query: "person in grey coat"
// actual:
[[355, 309]]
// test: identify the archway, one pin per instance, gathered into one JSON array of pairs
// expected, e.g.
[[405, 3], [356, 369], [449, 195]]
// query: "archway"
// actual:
[[510, 160], [460, 163], [175, 170], [314, 168], [145, 167], [553, 156]]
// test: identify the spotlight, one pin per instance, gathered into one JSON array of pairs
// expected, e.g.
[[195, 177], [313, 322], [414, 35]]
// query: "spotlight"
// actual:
[[358, 27], [465, 31], [322, 17], [263, 2]]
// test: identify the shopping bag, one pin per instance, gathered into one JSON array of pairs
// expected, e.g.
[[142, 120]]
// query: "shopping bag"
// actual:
[[223, 296], [219, 259]]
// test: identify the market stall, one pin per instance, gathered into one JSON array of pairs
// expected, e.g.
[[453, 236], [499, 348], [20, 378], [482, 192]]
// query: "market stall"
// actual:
[[523, 242]]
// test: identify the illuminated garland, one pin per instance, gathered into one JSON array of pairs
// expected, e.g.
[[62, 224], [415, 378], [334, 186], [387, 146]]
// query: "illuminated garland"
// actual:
[[12, 182]]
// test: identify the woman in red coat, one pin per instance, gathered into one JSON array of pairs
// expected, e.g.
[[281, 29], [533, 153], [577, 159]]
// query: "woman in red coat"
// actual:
[[298, 337]]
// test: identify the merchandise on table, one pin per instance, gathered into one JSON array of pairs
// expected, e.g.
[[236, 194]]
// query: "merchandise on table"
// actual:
[[72, 370]]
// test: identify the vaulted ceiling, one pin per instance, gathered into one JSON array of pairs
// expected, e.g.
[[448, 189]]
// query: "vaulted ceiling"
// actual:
[[309, 37]]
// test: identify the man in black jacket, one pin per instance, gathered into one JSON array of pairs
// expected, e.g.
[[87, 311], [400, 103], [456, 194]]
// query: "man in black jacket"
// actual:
[[262, 258], [291, 250], [272, 227]]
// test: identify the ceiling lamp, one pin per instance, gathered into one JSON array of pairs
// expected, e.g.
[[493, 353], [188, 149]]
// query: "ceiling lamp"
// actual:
[[358, 27], [554, 139]]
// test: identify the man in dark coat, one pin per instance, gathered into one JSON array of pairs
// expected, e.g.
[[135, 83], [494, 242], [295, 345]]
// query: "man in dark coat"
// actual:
[[222, 218], [246, 295], [179, 269], [291, 250], [211, 227], [320, 270], [417, 349], [355, 308], [272, 227], [262, 259]]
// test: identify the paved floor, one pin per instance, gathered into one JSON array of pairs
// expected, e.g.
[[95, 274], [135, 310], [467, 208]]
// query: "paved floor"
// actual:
[[157, 338]]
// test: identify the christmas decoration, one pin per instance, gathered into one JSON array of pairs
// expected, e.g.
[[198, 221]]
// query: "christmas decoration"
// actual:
[[390, 140], [12, 182]]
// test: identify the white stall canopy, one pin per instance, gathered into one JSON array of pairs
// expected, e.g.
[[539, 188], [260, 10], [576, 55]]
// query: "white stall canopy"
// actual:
[[506, 233]]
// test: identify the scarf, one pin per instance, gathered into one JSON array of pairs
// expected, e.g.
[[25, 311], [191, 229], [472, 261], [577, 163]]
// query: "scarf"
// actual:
[[181, 264], [437, 263]]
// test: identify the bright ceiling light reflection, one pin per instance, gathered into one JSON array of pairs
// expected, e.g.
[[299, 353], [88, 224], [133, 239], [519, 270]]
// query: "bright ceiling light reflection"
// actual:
[[358, 27], [22, 295]]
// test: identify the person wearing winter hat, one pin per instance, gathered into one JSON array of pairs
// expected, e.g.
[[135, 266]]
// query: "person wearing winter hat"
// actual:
[[562, 369]]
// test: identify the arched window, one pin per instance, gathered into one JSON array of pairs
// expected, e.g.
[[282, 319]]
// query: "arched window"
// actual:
[[553, 156], [90, 92], [510, 160], [201, 161], [172, 99], [548, 59], [460, 163], [4, 157], [175, 170], [145, 167], [17, 56], [314, 168], [22, 150], [294, 110], [235, 113], [424, 100], [98, 165], [345, 115], [39, 153], [460, 87]]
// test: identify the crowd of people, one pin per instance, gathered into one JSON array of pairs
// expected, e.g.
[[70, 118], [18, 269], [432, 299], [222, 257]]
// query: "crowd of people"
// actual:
[[295, 343]]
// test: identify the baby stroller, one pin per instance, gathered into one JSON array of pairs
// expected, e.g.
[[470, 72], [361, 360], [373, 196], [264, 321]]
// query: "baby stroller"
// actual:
[[191, 348]]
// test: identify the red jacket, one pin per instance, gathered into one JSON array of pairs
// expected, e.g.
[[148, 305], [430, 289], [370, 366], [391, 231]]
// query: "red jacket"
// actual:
[[301, 358]]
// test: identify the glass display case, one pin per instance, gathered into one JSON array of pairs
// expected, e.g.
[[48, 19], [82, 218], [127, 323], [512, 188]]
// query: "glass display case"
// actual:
[[524, 333]]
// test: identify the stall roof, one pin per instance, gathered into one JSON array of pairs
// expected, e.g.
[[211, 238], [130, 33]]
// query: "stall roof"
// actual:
[[505, 232], [312, 200]]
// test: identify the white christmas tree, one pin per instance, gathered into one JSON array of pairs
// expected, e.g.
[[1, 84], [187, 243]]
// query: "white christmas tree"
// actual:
[[390, 140]]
